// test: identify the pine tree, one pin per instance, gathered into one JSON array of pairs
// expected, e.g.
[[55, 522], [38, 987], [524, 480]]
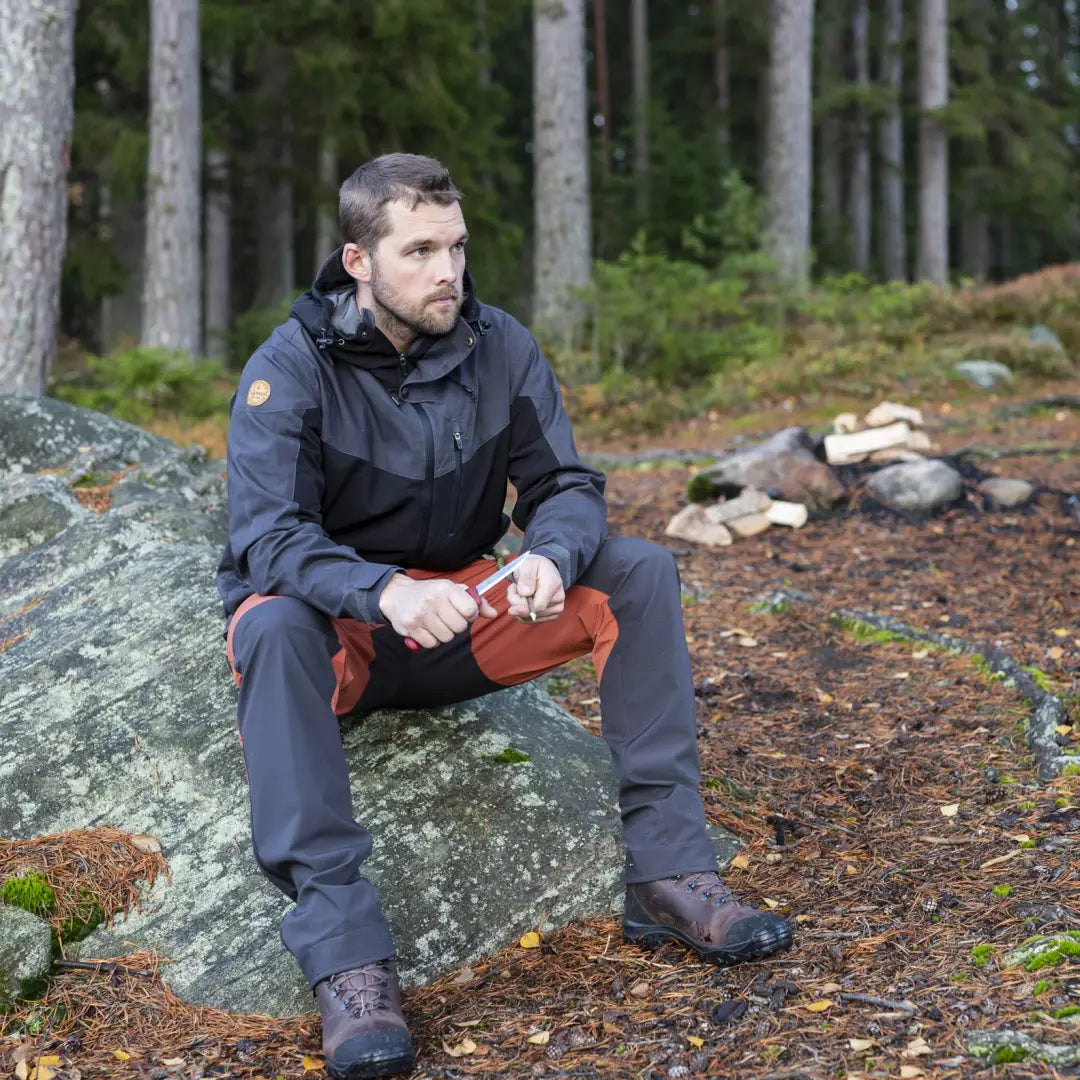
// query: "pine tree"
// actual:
[[933, 254]]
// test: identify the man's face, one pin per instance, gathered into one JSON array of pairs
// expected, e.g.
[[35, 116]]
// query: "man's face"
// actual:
[[418, 269]]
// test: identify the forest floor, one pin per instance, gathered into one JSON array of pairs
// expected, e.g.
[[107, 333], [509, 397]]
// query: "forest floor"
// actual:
[[888, 803]]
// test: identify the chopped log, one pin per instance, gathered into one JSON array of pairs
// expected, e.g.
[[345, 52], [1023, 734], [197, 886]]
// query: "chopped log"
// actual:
[[845, 423], [792, 514], [749, 525], [889, 412], [690, 523], [748, 501], [845, 449]]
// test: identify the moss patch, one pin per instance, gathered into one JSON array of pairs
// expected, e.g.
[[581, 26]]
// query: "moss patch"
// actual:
[[981, 954], [1045, 951], [510, 756], [31, 892]]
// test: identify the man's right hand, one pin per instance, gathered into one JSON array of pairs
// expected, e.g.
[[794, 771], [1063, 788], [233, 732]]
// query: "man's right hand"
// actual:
[[430, 612]]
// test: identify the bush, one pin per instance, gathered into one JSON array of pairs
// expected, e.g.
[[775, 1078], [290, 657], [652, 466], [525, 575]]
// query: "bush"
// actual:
[[251, 329], [137, 384]]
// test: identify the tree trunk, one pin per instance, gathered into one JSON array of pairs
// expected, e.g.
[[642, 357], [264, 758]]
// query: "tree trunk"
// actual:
[[639, 40], [975, 244], [891, 147], [722, 80], [788, 153], [37, 80], [830, 146], [563, 245], [603, 82], [274, 245], [933, 258], [859, 200], [171, 287], [327, 237], [217, 254]]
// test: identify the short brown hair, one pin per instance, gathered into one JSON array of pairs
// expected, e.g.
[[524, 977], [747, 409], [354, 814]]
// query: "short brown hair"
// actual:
[[363, 197]]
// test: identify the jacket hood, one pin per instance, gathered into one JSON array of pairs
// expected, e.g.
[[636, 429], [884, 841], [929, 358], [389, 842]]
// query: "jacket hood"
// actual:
[[329, 313]]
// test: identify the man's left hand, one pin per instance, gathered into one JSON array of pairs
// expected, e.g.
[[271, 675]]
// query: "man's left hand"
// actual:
[[537, 579]]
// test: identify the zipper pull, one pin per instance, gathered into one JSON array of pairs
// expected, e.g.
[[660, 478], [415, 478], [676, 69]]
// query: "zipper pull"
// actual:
[[404, 365], [457, 441]]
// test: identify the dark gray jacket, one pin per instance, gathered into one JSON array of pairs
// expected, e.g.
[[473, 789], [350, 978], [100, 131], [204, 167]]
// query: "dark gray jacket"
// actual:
[[349, 461]]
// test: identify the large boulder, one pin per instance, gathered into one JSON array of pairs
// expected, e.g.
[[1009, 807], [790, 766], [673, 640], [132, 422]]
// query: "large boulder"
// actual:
[[25, 953], [917, 487], [118, 708]]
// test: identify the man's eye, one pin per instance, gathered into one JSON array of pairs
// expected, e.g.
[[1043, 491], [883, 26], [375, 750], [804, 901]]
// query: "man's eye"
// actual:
[[460, 245], [420, 251]]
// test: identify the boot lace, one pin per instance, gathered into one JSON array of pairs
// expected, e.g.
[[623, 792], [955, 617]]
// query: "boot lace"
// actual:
[[712, 888], [363, 991]]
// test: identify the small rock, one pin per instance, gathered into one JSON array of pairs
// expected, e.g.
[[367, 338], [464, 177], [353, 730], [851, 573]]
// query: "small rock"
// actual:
[[25, 951], [749, 501], [916, 486], [750, 525], [1007, 491], [691, 523], [1043, 335], [888, 412], [985, 374]]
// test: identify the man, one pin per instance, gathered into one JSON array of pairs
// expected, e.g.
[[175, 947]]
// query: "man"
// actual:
[[371, 441]]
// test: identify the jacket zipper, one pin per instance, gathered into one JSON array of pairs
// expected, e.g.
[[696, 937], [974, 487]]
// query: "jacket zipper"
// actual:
[[457, 479], [429, 475]]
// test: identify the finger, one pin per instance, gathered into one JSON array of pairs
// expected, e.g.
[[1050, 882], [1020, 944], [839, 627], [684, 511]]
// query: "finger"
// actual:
[[548, 593], [486, 610], [525, 577], [440, 629], [518, 605], [461, 603], [422, 637]]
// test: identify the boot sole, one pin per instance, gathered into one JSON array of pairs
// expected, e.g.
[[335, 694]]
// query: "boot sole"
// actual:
[[651, 936], [393, 1061]]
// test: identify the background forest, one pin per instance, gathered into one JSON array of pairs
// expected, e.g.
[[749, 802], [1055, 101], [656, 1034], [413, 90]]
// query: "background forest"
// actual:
[[653, 183]]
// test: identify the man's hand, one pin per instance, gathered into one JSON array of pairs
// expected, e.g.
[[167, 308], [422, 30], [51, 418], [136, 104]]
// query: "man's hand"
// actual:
[[430, 612], [537, 579]]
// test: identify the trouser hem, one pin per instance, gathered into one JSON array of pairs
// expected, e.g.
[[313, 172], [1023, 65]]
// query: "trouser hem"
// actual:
[[348, 950], [652, 863]]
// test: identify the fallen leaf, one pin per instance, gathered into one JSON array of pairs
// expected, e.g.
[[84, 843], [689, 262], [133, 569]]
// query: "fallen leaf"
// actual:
[[51, 1059], [849, 869], [823, 698], [640, 989], [121, 1055], [42, 1072], [22, 1070], [1063, 729], [693, 1040], [464, 975], [830, 988], [146, 843], [771, 903], [918, 654], [1056, 653], [466, 1046], [311, 1064], [916, 1048], [819, 1006], [860, 1044], [1060, 633], [741, 862], [1019, 837], [540, 1038], [901, 674], [908, 1072], [747, 642], [531, 940], [951, 810]]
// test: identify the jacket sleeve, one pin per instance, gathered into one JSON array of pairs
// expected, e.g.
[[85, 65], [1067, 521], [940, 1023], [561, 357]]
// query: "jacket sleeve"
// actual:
[[275, 485], [560, 505]]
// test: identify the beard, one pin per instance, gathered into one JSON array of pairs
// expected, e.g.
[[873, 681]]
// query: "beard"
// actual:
[[411, 320]]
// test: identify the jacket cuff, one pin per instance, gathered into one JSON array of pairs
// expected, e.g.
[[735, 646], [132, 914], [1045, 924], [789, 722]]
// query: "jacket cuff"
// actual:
[[559, 556], [363, 603]]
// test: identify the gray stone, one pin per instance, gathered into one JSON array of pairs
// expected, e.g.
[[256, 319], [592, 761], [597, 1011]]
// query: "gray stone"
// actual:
[[1043, 335], [916, 486], [34, 509], [985, 374], [1007, 491], [692, 523], [1008, 1045], [116, 675], [25, 952], [749, 501]]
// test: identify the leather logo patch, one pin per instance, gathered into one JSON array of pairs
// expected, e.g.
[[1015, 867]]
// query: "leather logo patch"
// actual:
[[259, 392]]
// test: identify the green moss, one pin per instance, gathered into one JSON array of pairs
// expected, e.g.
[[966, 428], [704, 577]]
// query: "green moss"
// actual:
[[510, 756], [1051, 950], [1007, 778], [1040, 678], [981, 954], [958, 976], [1071, 770], [700, 488], [1026, 804], [984, 667], [1069, 1010], [91, 479], [774, 605], [864, 631], [1003, 890], [1041, 987], [1004, 1054], [1061, 800], [31, 892], [1027, 843]]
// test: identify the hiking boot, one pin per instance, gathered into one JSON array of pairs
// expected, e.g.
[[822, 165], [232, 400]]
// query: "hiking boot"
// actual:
[[364, 1033], [702, 912]]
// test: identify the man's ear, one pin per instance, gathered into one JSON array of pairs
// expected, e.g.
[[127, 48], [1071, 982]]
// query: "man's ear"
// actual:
[[357, 262]]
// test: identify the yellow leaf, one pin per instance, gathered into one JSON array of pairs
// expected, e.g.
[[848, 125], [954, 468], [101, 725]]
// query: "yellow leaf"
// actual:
[[311, 1064], [531, 940], [1060, 633], [42, 1072], [466, 1046], [951, 810], [121, 1055], [830, 988], [49, 1059], [819, 1006], [147, 844], [693, 1040], [860, 1044], [823, 698], [540, 1038], [771, 903], [1056, 653], [849, 869], [174, 1062], [916, 1048], [1063, 729], [741, 862]]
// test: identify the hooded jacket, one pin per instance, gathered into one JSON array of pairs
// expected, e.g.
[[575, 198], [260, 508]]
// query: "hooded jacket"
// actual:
[[348, 461]]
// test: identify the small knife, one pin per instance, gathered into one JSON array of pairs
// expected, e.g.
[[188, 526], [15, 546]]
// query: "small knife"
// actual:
[[476, 591]]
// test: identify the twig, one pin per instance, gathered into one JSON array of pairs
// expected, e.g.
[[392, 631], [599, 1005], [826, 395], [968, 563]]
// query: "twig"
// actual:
[[108, 968], [884, 1003]]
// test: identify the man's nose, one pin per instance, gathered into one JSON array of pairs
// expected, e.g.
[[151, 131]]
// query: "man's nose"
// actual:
[[445, 269]]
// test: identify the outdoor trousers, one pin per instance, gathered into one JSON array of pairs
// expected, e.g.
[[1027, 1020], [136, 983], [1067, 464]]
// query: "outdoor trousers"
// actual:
[[299, 671]]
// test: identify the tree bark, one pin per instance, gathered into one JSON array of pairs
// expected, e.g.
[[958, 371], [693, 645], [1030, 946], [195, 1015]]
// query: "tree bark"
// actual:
[[639, 40], [933, 256], [975, 244], [722, 79], [603, 82], [892, 242], [788, 150], [171, 275], [830, 145], [276, 275], [859, 201], [217, 252], [327, 237], [37, 80], [563, 244]]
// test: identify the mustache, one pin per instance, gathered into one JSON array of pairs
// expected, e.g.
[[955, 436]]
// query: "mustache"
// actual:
[[450, 294]]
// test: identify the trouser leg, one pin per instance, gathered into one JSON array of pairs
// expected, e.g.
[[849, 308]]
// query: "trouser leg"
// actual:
[[304, 835]]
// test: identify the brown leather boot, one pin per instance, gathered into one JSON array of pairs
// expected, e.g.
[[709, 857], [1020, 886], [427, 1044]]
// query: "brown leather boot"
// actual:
[[364, 1032], [702, 912]]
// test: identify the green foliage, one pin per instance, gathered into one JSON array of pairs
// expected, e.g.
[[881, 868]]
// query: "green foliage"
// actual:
[[1003, 1055], [251, 329], [510, 756], [1066, 1012], [1003, 890], [31, 892], [137, 384], [981, 954], [1041, 987]]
